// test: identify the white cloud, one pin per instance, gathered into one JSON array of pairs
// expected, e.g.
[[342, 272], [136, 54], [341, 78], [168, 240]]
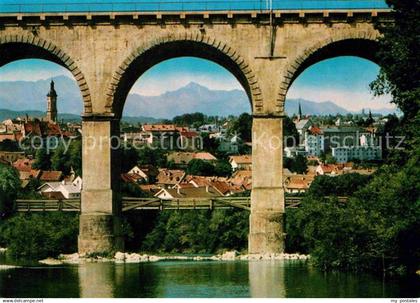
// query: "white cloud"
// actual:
[[351, 100], [157, 86]]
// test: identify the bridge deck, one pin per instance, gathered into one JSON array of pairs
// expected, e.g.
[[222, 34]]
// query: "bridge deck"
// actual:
[[9, 6], [131, 204]]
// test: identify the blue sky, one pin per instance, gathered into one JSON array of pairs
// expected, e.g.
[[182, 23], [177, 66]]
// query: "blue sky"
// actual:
[[343, 80]]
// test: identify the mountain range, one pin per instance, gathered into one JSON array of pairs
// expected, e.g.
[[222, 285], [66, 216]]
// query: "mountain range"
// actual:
[[30, 97]]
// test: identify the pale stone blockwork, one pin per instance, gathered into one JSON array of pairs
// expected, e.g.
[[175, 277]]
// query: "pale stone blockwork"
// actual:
[[106, 53]]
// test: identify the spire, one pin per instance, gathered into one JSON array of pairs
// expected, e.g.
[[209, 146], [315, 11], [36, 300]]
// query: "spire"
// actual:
[[52, 104], [300, 112], [52, 92]]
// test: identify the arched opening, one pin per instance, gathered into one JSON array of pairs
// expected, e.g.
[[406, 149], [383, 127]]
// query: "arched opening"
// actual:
[[146, 58], [40, 135], [338, 119], [362, 48], [176, 177], [19, 48], [40, 118]]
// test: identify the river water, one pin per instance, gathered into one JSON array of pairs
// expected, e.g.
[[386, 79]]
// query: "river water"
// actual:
[[206, 279]]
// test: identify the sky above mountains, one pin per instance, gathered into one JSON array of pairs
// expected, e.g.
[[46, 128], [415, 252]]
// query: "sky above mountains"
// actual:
[[343, 80]]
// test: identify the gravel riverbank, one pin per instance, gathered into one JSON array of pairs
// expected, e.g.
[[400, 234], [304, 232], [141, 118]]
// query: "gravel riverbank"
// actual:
[[121, 257]]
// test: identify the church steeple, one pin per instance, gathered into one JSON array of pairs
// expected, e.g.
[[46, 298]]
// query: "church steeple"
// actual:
[[300, 112], [52, 104]]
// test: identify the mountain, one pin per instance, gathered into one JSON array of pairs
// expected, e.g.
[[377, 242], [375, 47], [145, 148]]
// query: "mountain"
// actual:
[[313, 108], [190, 98], [25, 97], [32, 95]]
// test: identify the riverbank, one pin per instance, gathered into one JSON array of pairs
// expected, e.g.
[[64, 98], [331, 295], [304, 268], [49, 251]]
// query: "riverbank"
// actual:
[[120, 257]]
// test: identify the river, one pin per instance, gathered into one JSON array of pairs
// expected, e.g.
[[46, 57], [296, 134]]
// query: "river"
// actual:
[[207, 279]]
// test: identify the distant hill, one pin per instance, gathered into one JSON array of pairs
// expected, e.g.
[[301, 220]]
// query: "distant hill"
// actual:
[[10, 114], [190, 98], [313, 108], [30, 97]]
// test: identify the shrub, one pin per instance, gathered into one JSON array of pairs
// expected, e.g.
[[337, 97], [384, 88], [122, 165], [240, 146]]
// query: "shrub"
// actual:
[[40, 235]]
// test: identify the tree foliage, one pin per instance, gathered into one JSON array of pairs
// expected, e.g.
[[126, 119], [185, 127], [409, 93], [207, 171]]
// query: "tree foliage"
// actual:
[[42, 159], [399, 59], [203, 231], [40, 235], [377, 229], [242, 126], [9, 186], [200, 167], [152, 156]]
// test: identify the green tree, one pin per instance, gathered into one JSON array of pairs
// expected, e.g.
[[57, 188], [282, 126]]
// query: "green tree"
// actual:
[[329, 159], [152, 156], [60, 160], [41, 235], [243, 127], [399, 59], [223, 168], [299, 164], [130, 157], [9, 187], [290, 132], [42, 159], [75, 151], [200, 167]]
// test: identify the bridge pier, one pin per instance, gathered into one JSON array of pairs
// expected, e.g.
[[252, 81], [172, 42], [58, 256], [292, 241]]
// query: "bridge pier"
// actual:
[[267, 199], [100, 230]]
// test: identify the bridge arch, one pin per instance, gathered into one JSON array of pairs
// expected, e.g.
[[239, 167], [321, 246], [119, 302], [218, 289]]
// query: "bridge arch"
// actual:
[[169, 47], [354, 43], [17, 47]]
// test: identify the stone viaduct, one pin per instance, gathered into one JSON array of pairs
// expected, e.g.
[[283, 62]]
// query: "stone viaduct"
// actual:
[[107, 52]]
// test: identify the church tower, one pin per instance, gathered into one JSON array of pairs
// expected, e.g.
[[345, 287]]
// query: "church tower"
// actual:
[[52, 104], [300, 116]]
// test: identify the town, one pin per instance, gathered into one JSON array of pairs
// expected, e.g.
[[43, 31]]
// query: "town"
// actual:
[[192, 155]]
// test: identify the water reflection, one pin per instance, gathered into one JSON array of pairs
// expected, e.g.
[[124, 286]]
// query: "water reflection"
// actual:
[[196, 280], [96, 280], [184, 279], [266, 279]]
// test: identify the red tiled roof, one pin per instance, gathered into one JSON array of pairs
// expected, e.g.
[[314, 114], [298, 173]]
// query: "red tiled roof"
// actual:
[[51, 175], [170, 176], [189, 134], [315, 130], [11, 137], [23, 164], [244, 159], [159, 127], [131, 178], [42, 128]]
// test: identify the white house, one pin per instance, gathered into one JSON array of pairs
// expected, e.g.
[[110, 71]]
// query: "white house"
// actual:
[[230, 146], [138, 171], [346, 154], [292, 152], [68, 190], [302, 126], [243, 162]]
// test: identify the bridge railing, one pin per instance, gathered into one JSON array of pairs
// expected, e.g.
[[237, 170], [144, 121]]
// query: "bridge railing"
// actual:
[[129, 204], [92, 6]]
